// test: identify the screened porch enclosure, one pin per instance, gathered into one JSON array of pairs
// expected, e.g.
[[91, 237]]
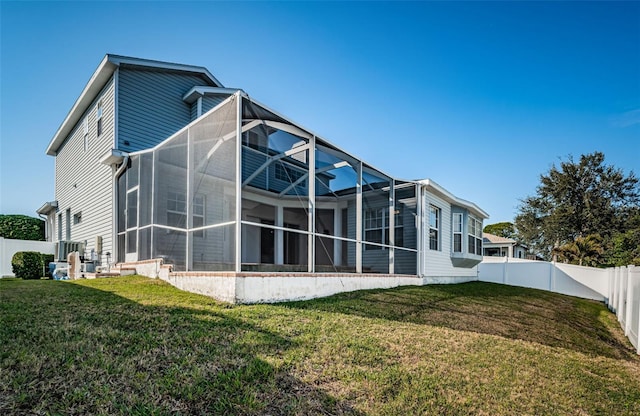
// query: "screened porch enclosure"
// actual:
[[244, 189]]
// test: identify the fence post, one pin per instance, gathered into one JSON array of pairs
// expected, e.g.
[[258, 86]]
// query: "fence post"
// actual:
[[614, 296], [505, 266], [609, 286], [622, 298], [636, 275], [629, 302]]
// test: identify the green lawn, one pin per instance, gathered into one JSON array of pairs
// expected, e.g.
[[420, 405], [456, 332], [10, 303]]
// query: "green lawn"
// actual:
[[132, 345]]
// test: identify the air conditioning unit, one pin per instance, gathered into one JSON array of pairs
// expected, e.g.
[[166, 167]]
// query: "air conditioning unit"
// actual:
[[65, 247]]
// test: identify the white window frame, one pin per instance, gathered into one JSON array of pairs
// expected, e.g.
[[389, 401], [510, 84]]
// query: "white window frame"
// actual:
[[474, 232], [434, 226], [85, 131], [380, 222], [202, 216], [458, 227], [374, 220], [179, 201], [99, 112], [177, 198]]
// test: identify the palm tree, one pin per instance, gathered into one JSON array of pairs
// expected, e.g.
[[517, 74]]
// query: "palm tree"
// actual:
[[583, 250]]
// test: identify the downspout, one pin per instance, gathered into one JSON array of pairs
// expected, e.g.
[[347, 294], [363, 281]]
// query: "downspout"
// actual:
[[46, 228], [114, 203]]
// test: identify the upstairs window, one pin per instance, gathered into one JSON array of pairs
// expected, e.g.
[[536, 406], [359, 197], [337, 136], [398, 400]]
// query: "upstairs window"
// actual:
[[457, 233], [434, 227], [99, 118], [77, 218], [85, 132], [255, 141], [287, 174], [475, 235]]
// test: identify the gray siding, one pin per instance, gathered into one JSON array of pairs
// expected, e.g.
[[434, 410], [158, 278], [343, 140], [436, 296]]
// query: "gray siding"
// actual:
[[83, 184], [193, 112], [150, 106], [210, 101], [438, 262]]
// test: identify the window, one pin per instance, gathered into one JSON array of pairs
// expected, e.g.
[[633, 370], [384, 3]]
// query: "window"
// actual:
[[255, 141], [77, 218], [374, 227], [434, 227], [99, 118], [457, 233], [60, 227], [85, 131], [475, 235], [376, 224], [176, 209], [285, 173], [198, 214], [67, 220]]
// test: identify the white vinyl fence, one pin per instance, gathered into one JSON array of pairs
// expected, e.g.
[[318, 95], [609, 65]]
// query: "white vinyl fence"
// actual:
[[624, 300], [618, 287], [9, 247], [583, 282]]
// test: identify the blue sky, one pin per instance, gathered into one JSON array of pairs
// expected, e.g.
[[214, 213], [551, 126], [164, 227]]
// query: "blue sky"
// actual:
[[480, 97]]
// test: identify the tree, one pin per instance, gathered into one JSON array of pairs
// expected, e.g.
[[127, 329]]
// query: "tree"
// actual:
[[501, 229], [624, 247], [577, 199], [21, 227], [584, 251]]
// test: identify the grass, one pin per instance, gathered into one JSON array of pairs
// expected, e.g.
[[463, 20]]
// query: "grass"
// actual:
[[132, 345]]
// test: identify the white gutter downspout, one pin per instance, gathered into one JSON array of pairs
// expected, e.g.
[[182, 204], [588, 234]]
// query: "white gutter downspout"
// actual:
[[46, 228], [114, 208]]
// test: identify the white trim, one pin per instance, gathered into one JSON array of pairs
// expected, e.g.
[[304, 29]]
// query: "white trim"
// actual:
[[238, 237], [311, 192], [449, 197], [116, 112], [199, 91]]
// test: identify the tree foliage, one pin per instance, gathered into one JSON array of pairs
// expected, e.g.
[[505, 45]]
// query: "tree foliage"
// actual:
[[579, 199], [21, 227], [584, 251], [501, 229]]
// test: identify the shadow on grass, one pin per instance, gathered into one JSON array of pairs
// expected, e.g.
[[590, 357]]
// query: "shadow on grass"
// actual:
[[512, 312], [69, 349]]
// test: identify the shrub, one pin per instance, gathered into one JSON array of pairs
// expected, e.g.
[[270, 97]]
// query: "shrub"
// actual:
[[27, 264], [46, 259]]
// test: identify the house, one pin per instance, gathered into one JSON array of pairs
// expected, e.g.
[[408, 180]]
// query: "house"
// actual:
[[496, 246], [161, 168]]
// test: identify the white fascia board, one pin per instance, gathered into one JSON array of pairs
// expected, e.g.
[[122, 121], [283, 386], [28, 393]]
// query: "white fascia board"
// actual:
[[47, 207], [118, 59], [91, 90], [113, 157], [448, 196], [199, 91]]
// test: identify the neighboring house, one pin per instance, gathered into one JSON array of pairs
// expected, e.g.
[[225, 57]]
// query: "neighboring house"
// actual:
[[496, 246], [160, 161]]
